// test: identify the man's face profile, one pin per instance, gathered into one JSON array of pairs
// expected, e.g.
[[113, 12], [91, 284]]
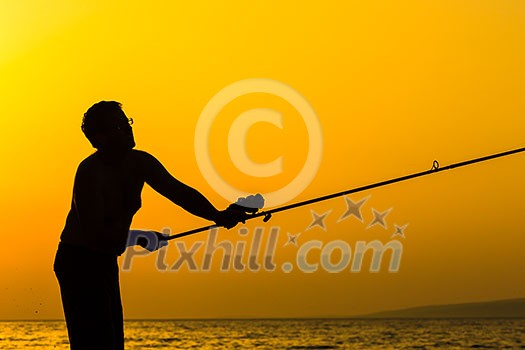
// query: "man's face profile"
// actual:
[[117, 134]]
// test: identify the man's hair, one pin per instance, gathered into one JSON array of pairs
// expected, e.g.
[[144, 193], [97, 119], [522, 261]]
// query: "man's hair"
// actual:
[[96, 119]]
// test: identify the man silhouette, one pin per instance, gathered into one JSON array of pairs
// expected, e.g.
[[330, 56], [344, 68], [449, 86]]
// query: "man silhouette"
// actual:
[[106, 195]]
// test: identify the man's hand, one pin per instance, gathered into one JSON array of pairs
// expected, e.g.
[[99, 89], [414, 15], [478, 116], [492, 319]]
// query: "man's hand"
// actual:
[[239, 211], [229, 218], [149, 240]]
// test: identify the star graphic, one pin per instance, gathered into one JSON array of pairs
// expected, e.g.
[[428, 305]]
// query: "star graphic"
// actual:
[[379, 218], [318, 220], [292, 239], [400, 230], [353, 208]]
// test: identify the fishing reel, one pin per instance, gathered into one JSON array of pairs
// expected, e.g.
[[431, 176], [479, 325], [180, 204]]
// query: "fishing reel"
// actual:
[[247, 207]]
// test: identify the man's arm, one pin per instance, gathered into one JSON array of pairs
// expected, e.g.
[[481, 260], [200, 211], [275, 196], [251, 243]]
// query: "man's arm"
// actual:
[[181, 194]]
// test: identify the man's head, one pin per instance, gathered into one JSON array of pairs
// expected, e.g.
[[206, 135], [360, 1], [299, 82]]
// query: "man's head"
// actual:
[[107, 127]]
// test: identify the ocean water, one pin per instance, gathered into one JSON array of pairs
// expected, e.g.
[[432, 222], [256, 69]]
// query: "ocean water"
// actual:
[[287, 334]]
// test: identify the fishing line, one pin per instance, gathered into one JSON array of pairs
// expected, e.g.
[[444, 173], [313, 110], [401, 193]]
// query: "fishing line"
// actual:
[[436, 168]]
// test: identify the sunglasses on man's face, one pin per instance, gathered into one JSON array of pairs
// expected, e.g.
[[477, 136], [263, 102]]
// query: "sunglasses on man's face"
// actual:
[[125, 124]]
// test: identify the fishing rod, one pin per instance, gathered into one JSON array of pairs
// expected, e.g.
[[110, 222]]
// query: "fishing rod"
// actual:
[[267, 214]]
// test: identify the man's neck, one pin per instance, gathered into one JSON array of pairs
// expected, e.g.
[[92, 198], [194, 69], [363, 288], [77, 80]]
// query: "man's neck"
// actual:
[[113, 156]]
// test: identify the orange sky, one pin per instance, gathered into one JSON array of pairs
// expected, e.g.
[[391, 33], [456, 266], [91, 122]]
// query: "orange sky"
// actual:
[[395, 85]]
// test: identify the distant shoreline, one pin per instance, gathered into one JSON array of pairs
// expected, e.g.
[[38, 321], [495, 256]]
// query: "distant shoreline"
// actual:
[[496, 309], [505, 308], [342, 318]]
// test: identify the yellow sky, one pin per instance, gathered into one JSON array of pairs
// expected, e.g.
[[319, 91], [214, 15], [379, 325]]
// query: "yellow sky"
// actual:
[[395, 85]]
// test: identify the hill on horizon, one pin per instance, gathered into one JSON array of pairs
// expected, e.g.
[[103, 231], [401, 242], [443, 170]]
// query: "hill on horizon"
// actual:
[[507, 308]]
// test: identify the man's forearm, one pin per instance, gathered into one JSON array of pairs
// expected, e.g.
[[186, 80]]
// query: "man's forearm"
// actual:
[[195, 203]]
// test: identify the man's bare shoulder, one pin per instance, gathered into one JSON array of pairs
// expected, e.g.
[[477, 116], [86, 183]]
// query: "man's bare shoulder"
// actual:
[[149, 166], [87, 171], [140, 153], [92, 161], [137, 160], [88, 163], [143, 157]]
